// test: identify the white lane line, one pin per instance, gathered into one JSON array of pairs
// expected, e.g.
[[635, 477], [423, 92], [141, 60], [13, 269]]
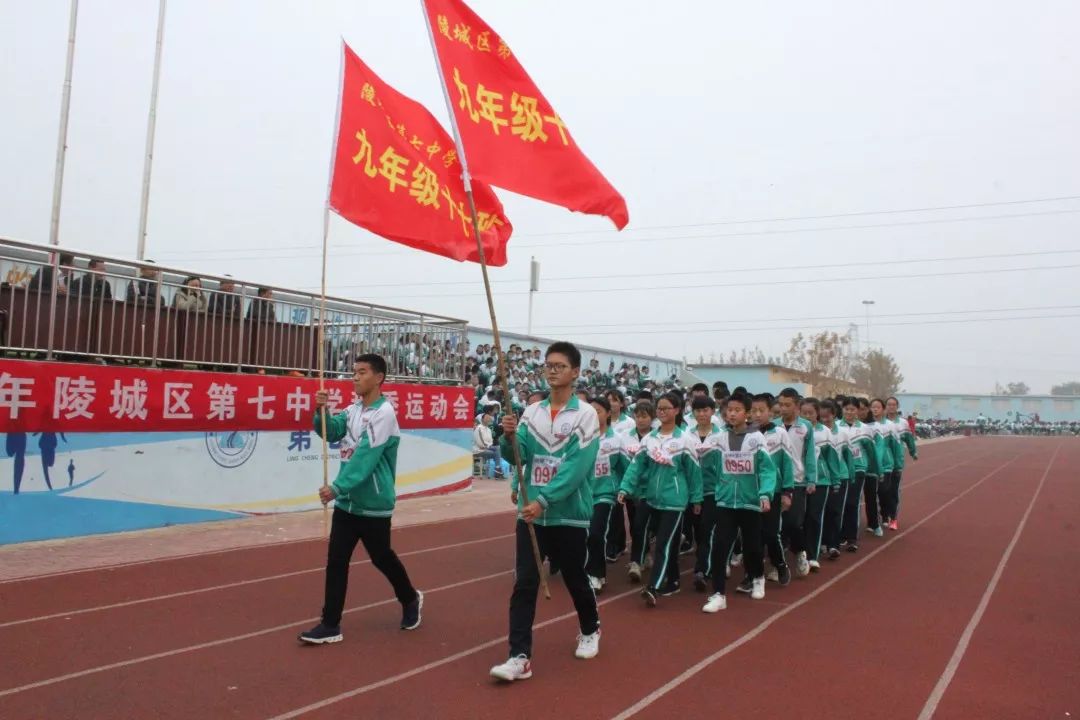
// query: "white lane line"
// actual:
[[500, 640], [294, 625], [768, 622], [965, 638], [238, 583], [222, 551]]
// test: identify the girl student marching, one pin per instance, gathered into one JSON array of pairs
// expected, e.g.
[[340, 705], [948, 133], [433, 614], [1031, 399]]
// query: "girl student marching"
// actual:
[[862, 453], [886, 465], [666, 476], [623, 424], [744, 490], [828, 465], [609, 468], [644, 416], [834, 506], [900, 437]]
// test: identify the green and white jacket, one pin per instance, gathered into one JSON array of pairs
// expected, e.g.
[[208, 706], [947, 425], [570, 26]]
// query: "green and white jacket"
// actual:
[[803, 455], [746, 474], [610, 467], [708, 455], [829, 467], [900, 436], [559, 457], [841, 440], [778, 445], [665, 471], [882, 450], [369, 439], [861, 445]]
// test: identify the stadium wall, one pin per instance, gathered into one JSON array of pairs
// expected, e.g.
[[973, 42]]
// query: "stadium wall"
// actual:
[[1049, 408]]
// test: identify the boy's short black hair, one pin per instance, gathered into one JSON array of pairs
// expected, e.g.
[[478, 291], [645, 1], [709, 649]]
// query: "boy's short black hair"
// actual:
[[644, 395], [831, 406], [699, 387], [740, 399], [376, 362], [645, 407], [763, 398], [702, 401], [568, 349], [851, 400], [542, 393], [790, 392], [813, 402]]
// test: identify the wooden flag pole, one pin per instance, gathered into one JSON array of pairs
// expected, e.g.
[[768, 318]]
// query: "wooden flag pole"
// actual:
[[322, 292], [502, 371]]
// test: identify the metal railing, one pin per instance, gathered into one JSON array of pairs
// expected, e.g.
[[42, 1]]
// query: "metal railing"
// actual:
[[130, 312]]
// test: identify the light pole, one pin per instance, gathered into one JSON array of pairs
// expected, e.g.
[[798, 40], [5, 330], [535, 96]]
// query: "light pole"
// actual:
[[867, 303], [534, 286]]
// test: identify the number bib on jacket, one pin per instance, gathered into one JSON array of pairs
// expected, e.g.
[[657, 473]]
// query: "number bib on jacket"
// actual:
[[544, 469], [738, 463], [856, 451], [603, 467]]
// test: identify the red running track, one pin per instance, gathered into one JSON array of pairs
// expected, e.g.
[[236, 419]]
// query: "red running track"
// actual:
[[968, 611]]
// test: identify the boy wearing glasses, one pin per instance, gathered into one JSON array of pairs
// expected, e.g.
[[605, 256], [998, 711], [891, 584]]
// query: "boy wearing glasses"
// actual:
[[558, 438]]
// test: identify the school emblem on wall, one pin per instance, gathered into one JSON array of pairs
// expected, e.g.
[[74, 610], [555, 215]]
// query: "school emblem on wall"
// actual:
[[231, 449]]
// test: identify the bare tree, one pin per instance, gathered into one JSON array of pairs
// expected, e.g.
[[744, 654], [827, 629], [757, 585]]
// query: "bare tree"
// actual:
[[877, 373], [823, 359]]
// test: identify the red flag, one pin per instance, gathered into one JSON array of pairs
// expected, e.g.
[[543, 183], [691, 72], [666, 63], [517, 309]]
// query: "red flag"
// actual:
[[396, 173], [512, 136]]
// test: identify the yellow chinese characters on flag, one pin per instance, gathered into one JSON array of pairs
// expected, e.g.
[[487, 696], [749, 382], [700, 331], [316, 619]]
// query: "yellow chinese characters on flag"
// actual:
[[396, 173], [511, 135]]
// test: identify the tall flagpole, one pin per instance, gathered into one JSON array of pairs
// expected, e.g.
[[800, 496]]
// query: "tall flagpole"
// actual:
[[61, 143], [151, 124], [504, 382], [322, 296]]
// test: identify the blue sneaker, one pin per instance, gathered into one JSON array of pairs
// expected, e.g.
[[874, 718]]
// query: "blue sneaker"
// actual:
[[320, 635], [878, 532], [410, 614]]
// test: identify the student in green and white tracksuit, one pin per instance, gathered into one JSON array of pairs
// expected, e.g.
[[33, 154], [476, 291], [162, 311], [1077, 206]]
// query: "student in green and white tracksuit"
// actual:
[[559, 438], [609, 469], [884, 456], [804, 460], [778, 445], [666, 477], [862, 451], [834, 507], [707, 432], [363, 495], [744, 491], [828, 475], [901, 437]]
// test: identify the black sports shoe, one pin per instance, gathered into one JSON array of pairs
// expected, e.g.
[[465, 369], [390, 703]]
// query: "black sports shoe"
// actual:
[[783, 573], [669, 588], [746, 586], [320, 635], [410, 614], [686, 547], [650, 596], [553, 569], [699, 582], [852, 547], [611, 559], [834, 553]]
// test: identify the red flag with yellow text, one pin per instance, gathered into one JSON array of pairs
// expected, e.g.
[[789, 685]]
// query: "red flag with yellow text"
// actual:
[[512, 136], [396, 173]]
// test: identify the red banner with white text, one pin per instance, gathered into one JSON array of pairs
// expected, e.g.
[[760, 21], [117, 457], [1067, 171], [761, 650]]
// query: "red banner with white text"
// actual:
[[74, 397]]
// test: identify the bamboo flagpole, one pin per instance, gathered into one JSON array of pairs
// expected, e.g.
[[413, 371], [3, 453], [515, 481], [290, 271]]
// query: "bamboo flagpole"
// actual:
[[322, 291], [503, 380]]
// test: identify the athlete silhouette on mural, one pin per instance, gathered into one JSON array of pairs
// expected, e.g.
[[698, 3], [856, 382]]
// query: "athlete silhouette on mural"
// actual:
[[47, 445], [16, 448], [71, 472]]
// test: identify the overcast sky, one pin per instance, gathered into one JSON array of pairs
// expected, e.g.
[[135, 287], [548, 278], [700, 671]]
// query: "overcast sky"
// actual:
[[725, 125]]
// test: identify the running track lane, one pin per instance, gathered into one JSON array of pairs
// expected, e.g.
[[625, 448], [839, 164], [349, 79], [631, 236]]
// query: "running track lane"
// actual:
[[639, 646], [1023, 659], [165, 693], [879, 639]]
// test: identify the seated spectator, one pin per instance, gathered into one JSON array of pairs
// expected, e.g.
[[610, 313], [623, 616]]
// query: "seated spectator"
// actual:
[[225, 302], [43, 278], [190, 298], [484, 443], [92, 283], [262, 307], [144, 290]]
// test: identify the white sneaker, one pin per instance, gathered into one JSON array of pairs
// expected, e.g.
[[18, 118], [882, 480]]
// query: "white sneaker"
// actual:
[[588, 646], [815, 566], [634, 572], [772, 576], [715, 603], [727, 571], [516, 668], [758, 593], [597, 584], [736, 560], [802, 567]]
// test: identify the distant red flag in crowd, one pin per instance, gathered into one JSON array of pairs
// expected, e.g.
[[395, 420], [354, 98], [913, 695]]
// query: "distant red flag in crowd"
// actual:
[[511, 135], [397, 174]]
